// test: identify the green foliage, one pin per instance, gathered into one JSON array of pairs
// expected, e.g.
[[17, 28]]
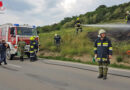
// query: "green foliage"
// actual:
[[81, 44], [121, 48], [71, 44], [101, 14], [119, 59]]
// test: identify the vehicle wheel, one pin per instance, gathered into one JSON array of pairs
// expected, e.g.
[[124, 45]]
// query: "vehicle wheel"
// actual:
[[9, 55]]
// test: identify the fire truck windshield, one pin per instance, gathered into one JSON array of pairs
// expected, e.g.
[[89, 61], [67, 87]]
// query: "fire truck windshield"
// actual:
[[26, 31]]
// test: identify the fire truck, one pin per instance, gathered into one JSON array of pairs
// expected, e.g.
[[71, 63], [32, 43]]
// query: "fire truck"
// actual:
[[12, 33]]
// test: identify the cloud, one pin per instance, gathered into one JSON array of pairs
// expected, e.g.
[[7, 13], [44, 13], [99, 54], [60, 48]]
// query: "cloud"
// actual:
[[68, 5], [39, 6], [43, 12], [9, 18], [17, 5]]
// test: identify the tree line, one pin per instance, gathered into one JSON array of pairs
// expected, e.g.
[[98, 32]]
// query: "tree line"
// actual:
[[101, 14]]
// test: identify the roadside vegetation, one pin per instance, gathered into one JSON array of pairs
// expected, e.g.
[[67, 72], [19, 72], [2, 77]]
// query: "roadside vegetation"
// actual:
[[75, 47], [114, 65], [113, 14]]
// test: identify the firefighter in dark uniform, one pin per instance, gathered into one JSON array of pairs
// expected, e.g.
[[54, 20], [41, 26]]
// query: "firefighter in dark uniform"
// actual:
[[32, 49], [3, 52], [78, 25], [21, 48], [127, 17], [103, 53], [0, 52], [36, 46], [57, 40]]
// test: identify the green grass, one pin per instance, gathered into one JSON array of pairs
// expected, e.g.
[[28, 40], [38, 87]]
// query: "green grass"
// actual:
[[78, 45], [60, 58], [72, 44], [120, 48]]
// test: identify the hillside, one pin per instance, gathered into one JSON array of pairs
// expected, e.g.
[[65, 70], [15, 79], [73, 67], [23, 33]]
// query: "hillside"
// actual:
[[100, 15], [81, 46]]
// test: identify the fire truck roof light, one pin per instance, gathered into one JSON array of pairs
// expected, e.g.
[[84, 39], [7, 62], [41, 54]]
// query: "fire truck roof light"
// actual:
[[16, 24], [34, 26]]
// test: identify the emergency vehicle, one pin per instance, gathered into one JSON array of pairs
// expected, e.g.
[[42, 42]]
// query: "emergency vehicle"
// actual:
[[12, 33]]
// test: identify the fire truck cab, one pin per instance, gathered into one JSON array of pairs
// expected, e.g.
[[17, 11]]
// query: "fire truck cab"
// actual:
[[12, 33]]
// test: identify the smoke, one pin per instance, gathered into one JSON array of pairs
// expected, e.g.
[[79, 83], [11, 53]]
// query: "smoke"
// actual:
[[119, 32], [113, 26]]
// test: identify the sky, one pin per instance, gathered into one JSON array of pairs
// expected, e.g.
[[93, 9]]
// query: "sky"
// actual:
[[47, 12]]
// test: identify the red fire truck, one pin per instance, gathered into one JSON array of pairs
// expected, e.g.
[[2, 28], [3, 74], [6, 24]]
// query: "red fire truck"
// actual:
[[12, 33]]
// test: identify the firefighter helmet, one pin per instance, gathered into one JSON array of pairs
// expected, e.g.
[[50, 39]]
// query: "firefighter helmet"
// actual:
[[34, 36], [101, 31], [78, 18], [127, 12], [56, 34]]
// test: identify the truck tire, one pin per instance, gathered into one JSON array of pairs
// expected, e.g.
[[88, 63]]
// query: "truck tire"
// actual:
[[9, 55]]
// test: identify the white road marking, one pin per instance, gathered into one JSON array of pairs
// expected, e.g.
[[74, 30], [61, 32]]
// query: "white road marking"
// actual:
[[17, 66]]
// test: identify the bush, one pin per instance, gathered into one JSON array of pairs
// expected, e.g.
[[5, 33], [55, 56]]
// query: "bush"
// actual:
[[119, 59]]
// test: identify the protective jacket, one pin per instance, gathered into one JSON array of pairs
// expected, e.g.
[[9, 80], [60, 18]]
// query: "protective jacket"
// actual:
[[78, 23], [57, 39], [103, 48], [128, 19]]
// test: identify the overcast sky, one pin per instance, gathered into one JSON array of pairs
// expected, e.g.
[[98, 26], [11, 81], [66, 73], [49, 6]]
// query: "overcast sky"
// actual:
[[44, 12]]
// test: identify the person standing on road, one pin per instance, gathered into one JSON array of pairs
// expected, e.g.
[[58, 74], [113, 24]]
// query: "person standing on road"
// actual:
[[36, 46], [78, 25], [21, 48], [3, 47], [103, 53], [32, 49], [0, 52]]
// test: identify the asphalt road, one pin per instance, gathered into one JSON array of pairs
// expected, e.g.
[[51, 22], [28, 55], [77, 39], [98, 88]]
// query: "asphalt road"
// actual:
[[42, 76]]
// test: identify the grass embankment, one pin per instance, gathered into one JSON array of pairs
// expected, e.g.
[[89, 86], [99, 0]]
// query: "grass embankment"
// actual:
[[72, 44], [78, 45]]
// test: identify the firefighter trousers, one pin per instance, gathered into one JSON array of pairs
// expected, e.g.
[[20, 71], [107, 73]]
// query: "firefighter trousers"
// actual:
[[103, 68], [77, 29], [33, 56]]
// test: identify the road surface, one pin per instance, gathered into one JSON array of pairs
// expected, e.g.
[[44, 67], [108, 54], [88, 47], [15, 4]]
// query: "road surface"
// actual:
[[42, 76]]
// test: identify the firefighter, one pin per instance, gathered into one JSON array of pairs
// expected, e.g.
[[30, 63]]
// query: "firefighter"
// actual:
[[78, 25], [36, 46], [3, 46], [0, 51], [127, 17], [32, 49], [57, 40], [103, 53], [21, 48]]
